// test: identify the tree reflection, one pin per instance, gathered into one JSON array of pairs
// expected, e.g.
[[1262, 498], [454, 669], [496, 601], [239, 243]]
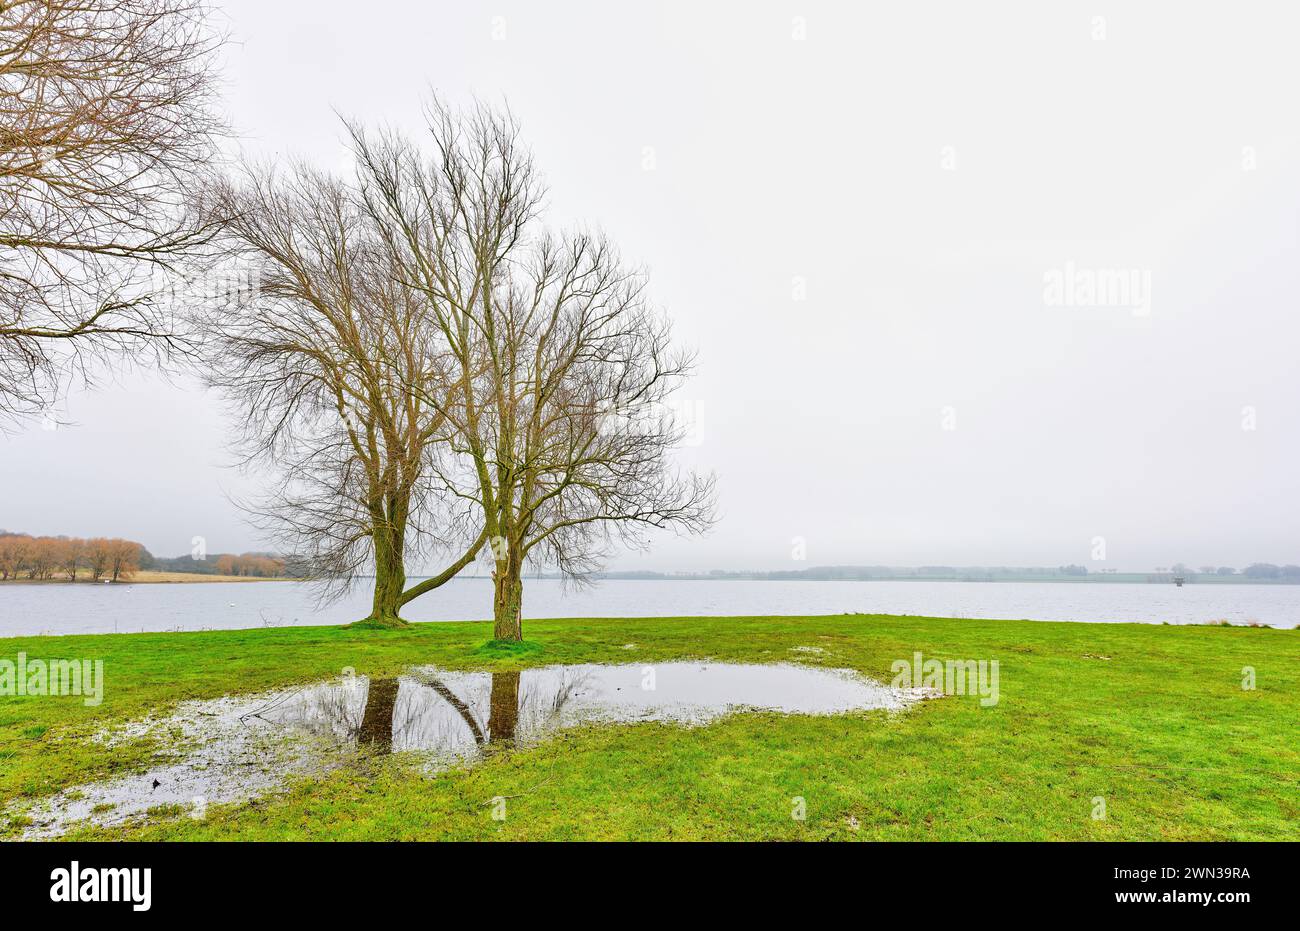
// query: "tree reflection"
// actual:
[[504, 715], [376, 728], [499, 709]]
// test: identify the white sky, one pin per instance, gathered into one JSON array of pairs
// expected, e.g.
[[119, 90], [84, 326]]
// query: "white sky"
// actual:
[[825, 160]]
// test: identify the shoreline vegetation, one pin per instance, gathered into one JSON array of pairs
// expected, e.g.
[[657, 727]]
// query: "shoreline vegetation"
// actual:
[[51, 559], [154, 577], [1086, 711]]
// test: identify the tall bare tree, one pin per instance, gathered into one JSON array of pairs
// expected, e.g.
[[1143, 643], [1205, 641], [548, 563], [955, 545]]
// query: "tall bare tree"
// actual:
[[105, 123], [15, 548], [334, 374], [123, 559], [551, 342], [72, 554], [99, 556]]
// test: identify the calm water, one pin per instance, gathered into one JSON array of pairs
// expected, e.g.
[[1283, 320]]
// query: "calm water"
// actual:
[[67, 609]]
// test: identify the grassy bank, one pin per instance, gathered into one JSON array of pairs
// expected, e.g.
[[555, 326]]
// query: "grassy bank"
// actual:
[[1152, 719], [150, 577]]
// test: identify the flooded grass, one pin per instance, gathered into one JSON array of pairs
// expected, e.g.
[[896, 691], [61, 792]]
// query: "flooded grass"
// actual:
[[233, 749]]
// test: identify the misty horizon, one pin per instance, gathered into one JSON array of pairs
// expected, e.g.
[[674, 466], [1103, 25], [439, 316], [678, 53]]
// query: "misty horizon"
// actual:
[[210, 552]]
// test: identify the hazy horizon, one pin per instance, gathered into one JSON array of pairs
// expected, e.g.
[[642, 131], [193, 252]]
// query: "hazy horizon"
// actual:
[[963, 294], [479, 571]]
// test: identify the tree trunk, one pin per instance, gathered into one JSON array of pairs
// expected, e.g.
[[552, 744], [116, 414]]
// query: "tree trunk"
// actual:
[[390, 578], [507, 599]]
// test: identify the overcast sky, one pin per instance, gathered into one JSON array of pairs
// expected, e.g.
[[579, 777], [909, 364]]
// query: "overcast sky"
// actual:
[[877, 224]]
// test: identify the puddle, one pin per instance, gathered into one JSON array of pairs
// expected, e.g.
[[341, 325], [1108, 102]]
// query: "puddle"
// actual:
[[233, 749]]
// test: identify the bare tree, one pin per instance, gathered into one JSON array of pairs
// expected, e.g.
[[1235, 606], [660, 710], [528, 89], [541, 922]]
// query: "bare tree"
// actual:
[[72, 554], [43, 559], [328, 371], [15, 548], [105, 125], [99, 556], [552, 342], [123, 559]]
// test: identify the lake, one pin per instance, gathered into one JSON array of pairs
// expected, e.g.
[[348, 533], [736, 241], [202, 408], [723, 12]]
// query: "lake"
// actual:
[[27, 609]]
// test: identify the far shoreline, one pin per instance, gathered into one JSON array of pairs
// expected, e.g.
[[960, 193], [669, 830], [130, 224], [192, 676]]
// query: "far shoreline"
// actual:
[[153, 577]]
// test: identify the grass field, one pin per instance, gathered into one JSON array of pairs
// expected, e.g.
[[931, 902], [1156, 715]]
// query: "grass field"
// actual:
[[1151, 719]]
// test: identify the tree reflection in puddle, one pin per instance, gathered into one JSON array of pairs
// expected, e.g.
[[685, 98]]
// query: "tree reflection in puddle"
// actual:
[[446, 714]]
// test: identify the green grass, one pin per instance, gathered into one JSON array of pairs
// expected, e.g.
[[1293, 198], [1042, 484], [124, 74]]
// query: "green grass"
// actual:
[[1162, 730]]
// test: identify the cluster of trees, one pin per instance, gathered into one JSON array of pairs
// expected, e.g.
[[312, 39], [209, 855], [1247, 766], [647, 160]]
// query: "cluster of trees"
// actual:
[[260, 565], [1259, 570], [47, 558], [1265, 570], [250, 564], [424, 364]]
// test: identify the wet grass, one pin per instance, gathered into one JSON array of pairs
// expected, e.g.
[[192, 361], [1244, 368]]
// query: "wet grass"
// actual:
[[1152, 720]]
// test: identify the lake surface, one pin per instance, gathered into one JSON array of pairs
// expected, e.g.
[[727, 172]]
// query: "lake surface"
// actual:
[[27, 609]]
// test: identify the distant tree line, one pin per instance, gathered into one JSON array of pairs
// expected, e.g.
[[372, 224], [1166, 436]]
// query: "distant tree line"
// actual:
[[255, 565], [47, 558], [74, 559], [1258, 570], [865, 573], [1266, 570], [1254, 572]]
